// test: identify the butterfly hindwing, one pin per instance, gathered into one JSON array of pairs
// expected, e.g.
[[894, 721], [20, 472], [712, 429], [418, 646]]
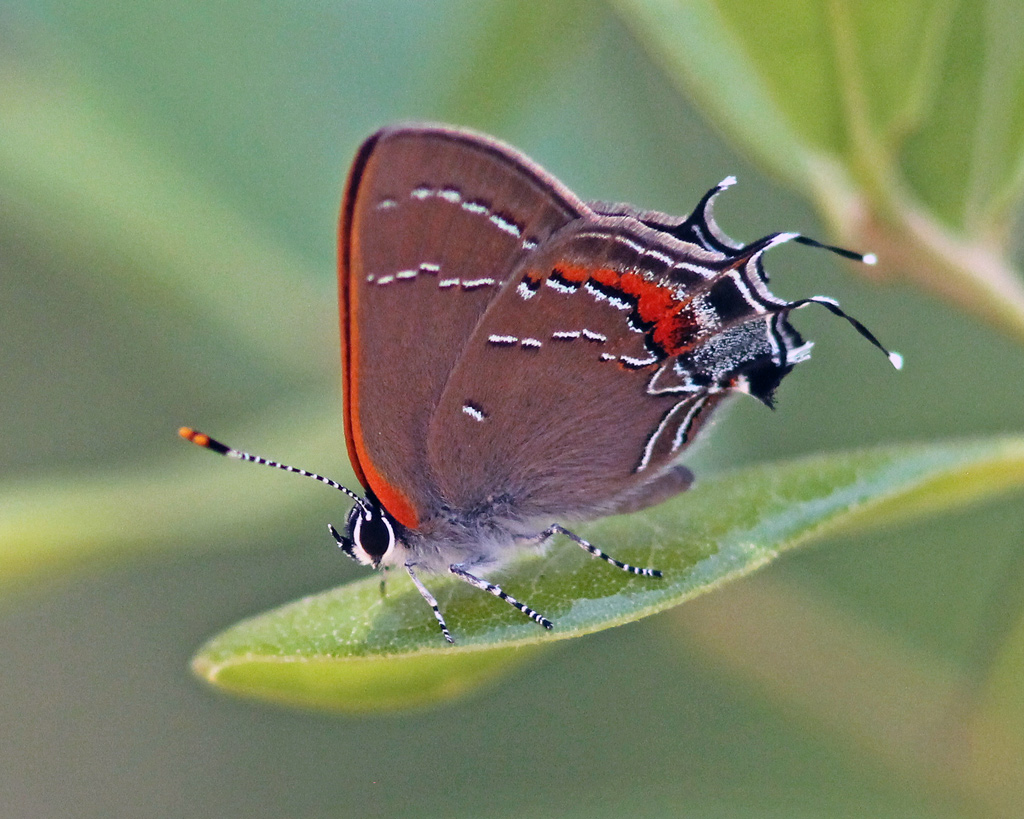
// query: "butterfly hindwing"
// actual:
[[598, 363]]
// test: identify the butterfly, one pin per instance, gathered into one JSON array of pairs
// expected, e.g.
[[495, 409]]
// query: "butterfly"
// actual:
[[516, 359]]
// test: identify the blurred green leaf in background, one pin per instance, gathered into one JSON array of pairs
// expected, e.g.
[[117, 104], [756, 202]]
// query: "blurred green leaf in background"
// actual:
[[169, 182], [902, 122]]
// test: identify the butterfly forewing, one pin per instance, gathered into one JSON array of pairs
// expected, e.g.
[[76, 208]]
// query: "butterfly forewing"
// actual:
[[433, 223]]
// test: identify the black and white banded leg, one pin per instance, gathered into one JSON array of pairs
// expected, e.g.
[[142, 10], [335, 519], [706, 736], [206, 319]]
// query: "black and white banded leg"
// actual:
[[555, 529], [482, 584], [431, 601]]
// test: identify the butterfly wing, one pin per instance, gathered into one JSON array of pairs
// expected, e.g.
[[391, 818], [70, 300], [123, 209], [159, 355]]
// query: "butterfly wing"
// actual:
[[595, 367], [433, 223]]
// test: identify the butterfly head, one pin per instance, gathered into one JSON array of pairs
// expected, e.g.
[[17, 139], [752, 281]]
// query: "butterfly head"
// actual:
[[371, 537]]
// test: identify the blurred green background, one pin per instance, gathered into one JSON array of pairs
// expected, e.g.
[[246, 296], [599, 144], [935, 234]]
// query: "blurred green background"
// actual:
[[169, 182]]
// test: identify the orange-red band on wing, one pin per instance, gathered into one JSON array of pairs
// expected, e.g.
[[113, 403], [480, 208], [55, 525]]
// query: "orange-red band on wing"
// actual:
[[656, 305]]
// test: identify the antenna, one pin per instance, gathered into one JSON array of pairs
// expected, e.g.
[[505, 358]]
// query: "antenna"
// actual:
[[212, 444]]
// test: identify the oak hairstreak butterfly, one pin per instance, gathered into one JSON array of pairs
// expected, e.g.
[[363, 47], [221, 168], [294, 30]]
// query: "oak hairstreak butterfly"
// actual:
[[515, 358]]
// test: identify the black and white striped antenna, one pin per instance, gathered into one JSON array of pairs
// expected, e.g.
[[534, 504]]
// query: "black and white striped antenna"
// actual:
[[212, 444]]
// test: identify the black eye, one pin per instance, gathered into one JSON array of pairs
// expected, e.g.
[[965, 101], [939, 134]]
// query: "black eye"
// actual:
[[374, 536]]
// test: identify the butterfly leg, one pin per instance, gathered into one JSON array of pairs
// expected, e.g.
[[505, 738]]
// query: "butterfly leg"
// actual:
[[431, 601], [555, 529], [482, 584]]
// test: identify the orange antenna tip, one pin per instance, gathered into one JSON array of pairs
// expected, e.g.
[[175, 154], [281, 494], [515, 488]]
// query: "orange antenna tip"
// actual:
[[194, 436], [202, 439]]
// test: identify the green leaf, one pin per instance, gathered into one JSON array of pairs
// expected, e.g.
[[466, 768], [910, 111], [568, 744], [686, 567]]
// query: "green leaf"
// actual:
[[354, 648], [903, 123]]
